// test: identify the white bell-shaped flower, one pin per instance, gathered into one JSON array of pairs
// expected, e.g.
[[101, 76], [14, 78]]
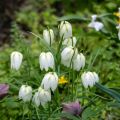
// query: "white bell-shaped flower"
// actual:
[[16, 60], [46, 61], [25, 93], [41, 97], [70, 41], [50, 81], [65, 30], [48, 36], [89, 79], [79, 62], [95, 24], [68, 55]]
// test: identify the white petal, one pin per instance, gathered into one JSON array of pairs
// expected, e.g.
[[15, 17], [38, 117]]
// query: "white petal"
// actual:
[[50, 60], [36, 99], [98, 26], [119, 34], [70, 41]]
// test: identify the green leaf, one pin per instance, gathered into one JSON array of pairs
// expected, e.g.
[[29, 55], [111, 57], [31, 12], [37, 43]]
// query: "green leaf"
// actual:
[[105, 15], [73, 17], [109, 91], [114, 104], [92, 112], [69, 116]]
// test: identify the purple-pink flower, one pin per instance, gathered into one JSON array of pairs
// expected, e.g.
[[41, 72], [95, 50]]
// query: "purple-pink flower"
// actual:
[[73, 108], [3, 90]]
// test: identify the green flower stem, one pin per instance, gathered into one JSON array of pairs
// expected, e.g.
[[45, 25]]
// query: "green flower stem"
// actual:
[[56, 97], [23, 111], [73, 78], [37, 113], [49, 109], [58, 50], [83, 94]]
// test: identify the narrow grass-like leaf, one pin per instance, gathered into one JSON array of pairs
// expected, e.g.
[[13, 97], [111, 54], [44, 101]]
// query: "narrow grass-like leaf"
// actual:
[[73, 17], [114, 104], [105, 15], [109, 91]]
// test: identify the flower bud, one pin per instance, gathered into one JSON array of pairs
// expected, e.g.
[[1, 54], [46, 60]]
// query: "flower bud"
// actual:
[[3, 90], [70, 41], [25, 93], [50, 81], [73, 108], [41, 97], [68, 55], [79, 62], [65, 30], [89, 79], [48, 36], [46, 61], [16, 60]]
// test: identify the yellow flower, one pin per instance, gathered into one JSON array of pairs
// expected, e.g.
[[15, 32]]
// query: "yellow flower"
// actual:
[[62, 80], [117, 14]]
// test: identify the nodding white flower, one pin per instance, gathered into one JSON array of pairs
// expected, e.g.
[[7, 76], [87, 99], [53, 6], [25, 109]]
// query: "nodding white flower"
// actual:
[[89, 79], [16, 60], [70, 41], [118, 27], [65, 29], [79, 62], [41, 97], [25, 93], [68, 55], [50, 81], [48, 36], [95, 24], [46, 61]]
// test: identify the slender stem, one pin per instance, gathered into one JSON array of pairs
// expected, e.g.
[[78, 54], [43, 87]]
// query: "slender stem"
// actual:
[[57, 98], [83, 95], [73, 77], [59, 46], [49, 109], [23, 111], [37, 113], [69, 82], [50, 37]]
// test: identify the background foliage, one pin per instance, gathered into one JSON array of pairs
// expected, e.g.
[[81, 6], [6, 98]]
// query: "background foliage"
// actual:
[[102, 51]]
